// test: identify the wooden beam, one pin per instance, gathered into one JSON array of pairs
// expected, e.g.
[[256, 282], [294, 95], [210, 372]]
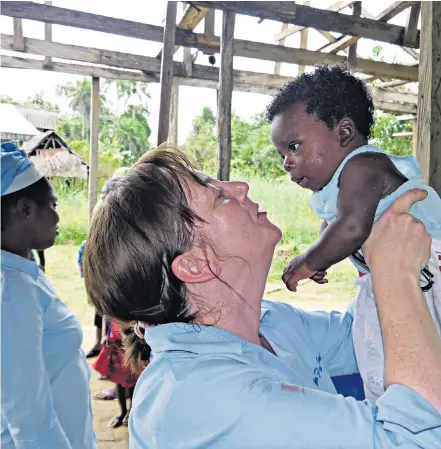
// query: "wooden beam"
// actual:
[[206, 77], [225, 96], [190, 20], [48, 35], [93, 154], [149, 65], [393, 83], [289, 12], [411, 30], [352, 53], [281, 42], [383, 17], [167, 72], [428, 148], [174, 113], [248, 49], [18, 42], [336, 7], [395, 107]]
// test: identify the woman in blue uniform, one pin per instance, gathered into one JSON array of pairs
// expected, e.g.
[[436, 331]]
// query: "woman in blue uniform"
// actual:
[[187, 258], [45, 397]]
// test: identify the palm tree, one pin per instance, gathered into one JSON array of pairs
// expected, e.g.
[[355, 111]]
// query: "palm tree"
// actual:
[[79, 96]]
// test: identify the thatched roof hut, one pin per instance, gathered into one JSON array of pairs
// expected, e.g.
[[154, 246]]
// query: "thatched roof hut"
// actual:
[[51, 154]]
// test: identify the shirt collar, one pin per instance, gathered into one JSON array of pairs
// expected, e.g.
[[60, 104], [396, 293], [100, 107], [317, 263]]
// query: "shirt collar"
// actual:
[[20, 263], [198, 339]]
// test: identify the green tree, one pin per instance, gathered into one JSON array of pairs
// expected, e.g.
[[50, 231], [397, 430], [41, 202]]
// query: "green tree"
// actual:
[[201, 144], [386, 125]]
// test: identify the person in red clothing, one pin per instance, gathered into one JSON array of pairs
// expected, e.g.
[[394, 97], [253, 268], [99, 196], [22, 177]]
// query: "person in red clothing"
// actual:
[[110, 363]]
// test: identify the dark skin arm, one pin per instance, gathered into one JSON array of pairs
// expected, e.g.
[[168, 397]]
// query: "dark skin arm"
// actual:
[[362, 185]]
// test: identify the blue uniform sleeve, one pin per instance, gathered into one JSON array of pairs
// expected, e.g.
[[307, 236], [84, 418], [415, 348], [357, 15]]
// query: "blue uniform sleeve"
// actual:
[[282, 415], [239, 407], [26, 402], [331, 332]]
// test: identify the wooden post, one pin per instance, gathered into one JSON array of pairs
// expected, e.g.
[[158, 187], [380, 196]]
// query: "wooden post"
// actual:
[[93, 155], [174, 113], [414, 137], [187, 59], [428, 148], [209, 26], [225, 96], [167, 71], [281, 42], [48, 35], [352, 53], [18, 42], [411, 30], [303, 41]]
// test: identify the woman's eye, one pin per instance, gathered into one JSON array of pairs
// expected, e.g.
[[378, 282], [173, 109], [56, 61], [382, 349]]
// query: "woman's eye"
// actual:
[[294, 146]]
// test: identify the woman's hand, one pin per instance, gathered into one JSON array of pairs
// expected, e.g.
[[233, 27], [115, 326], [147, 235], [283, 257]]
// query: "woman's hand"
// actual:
[[399, 242]]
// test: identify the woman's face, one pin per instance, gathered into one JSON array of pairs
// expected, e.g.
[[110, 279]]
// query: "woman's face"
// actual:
[[44, 225], [234, 224]]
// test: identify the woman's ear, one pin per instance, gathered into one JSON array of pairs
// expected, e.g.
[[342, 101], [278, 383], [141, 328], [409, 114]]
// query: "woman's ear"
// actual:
[[193, 267], [346, 131], [26, 208]]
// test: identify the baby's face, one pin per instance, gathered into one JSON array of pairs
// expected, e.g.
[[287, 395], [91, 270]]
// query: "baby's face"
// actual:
[[309, 149]]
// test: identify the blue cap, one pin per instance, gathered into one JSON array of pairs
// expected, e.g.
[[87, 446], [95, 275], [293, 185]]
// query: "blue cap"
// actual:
[[18, 172]]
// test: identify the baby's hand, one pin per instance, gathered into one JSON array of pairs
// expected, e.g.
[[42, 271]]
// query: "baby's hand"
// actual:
[[320, 277], [295, 272]]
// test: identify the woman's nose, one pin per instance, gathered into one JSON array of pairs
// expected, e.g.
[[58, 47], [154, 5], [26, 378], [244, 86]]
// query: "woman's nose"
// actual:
[[239, 189]]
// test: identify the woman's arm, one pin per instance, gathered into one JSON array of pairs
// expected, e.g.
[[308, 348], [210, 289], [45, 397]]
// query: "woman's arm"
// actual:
[[26, 401], [397, 249]]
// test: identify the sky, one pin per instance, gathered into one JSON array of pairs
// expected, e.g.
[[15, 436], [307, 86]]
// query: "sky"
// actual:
[[21, 84]]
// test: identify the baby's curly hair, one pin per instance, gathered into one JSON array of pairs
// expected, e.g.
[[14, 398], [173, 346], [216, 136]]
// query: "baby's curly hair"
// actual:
[[331, 92]]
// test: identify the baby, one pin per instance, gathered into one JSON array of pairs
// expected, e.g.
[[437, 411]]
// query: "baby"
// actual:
[[321, 123]]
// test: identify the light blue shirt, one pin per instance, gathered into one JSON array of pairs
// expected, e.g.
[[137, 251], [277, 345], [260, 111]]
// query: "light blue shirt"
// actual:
[[206, 388], [45, 396]]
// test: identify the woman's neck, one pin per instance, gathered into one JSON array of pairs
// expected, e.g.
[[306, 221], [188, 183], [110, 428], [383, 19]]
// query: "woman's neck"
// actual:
[[14, 247], [233, 306]]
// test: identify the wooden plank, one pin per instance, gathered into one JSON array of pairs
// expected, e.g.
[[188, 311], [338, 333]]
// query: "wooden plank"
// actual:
[[277, 65], [393, 83], [282, 11], [174, 113], [410, 33], [289, 12], [225, 97], [48, 35], [93, 154], [428, 149], [352, 53], [336, 7], [383, 17], [395, 107], [167, 72], [242, 48], [190, 20], [18, 42], [187, 61], [149, 65]]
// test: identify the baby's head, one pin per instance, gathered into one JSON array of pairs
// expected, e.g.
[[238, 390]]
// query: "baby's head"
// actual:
[[317, 120]]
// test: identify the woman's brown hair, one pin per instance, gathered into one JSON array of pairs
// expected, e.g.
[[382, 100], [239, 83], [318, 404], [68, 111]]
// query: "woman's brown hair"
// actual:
[[144, 223]]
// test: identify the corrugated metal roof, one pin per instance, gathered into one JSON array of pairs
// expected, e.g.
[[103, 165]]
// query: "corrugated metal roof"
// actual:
[[41, 119], [13, 125]]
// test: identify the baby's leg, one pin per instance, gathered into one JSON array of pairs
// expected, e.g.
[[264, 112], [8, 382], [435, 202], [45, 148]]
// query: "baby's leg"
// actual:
[[368, 342]]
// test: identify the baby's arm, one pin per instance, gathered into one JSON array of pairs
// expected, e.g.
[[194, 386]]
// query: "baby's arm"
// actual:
[[361, 189]]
